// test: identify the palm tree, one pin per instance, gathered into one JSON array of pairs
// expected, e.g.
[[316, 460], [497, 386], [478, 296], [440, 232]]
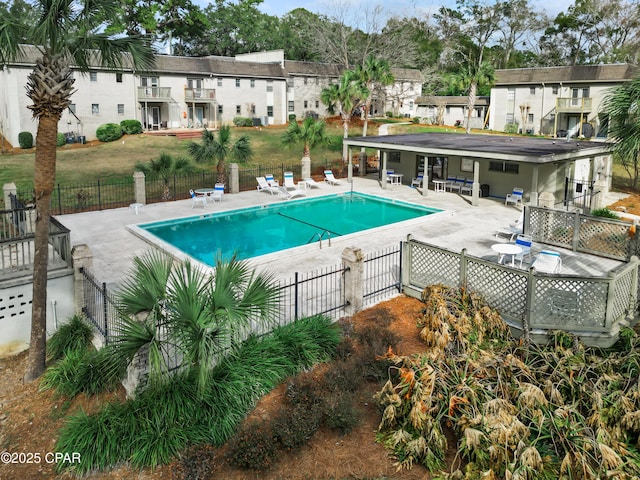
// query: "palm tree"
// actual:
[[219, 149], [65, 35], [311, 132], [164, 168], [170, 306], [344, 98], [473, 79], [374, 72], [621, 106]]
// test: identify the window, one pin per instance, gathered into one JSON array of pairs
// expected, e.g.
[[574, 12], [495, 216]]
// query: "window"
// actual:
[[393, 157], [317, 103], [585, 92], [149, 81], [219, 83], [253, 83], [505, 167], [238, 109], [555, 89], [219, 109], [118, 78], [511, 94], [290, 82], [530, 118], [237, 82], [291, 106], [306, 104], [253, 109], [269, 110], [121, 109], [447, 109], [269, 85], [72, 107], [93, 76], [532, 90], [305, 80], [510, 119], [95, 109]]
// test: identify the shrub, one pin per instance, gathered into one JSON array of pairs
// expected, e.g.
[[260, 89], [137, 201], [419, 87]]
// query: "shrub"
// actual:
[[511, 128], [292, 117], [253, 448], [415, 120], [75, 335], [131, 127], [605, 213], [293, 427], [340, 413], [109, 132], [389, 114], [61, 139], [303, 390], [25, 140], [242, 122]]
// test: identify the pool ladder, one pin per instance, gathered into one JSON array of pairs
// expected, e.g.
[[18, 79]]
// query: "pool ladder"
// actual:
[[320, 236]]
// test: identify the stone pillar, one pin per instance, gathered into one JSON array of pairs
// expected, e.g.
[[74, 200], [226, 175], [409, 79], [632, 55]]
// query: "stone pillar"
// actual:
[[384, 170], [139, 188], [533, 195], [8, 189], [353, 260], [306, 167], [475, 188], [234, 178], [81, 256]]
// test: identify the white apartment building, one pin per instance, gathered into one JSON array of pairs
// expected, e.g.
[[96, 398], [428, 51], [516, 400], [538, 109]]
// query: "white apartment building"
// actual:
[[193, 92], [554, 100]]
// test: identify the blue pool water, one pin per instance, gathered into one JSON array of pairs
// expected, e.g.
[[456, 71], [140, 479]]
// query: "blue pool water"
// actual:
[[255, 231]]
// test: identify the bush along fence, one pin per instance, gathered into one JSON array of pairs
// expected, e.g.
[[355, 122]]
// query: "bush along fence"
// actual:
[[107, 194], [532, 303], [344, 289]]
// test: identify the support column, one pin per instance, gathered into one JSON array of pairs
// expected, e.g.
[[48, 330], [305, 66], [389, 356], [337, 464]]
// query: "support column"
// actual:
[[139, 188], [350, 166], [475, 188], [234, 178], [384, 170], [425, 177], [81, 257], [533, 196], [7, 190], [353, 261], [306, 167]]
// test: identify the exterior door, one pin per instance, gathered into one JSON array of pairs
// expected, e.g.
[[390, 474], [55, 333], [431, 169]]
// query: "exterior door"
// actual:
[[154, 118]]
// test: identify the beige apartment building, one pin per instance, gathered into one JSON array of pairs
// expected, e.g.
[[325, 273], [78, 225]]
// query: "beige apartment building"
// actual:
[[554, 101], [193, 92]]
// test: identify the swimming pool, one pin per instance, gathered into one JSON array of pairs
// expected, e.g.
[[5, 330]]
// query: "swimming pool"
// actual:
[[256, 231]]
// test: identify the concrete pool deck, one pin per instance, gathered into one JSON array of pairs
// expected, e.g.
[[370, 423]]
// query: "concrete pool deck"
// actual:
[[459, 226]]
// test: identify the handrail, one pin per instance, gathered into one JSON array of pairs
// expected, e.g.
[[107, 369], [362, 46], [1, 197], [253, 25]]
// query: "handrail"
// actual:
[[320, 237]]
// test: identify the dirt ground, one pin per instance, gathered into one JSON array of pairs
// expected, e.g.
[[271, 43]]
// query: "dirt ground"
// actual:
[[30, 420], [630, 204]]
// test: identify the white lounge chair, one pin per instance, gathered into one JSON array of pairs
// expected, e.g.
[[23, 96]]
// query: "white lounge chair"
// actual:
[[311, 183], [289, 184], [289, 194], [197, 199], [515, 197], [548, 261], [263, 186], [330, 179], [271, 181], [417, 181], [467, 186], [524, 242], [513, 229], [218, 192]]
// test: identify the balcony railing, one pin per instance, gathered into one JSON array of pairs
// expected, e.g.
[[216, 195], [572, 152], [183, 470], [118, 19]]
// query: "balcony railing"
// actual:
[[154, 93], [200, 94], [574, 104]]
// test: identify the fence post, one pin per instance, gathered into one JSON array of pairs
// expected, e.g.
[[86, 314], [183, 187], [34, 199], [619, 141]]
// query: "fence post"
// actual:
[[9, 189], [353, 261], [528, 306], [105, 312], [234, 178], [575, 241], [82, 257], [139, 188], [463, 268]]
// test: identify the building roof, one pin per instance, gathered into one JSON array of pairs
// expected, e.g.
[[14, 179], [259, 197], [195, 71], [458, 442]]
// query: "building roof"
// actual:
[[294, 67], [573, 74], [490, 147], [219, 66], [462, 100]]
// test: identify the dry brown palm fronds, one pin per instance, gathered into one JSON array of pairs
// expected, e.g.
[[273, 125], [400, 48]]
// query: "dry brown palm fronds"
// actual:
[[497, 405], [531, 396], [631, 421], [610, 459]]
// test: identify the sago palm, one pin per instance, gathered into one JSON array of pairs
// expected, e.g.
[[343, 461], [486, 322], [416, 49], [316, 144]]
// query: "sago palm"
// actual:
[[66, 37], [220, 149], [311, 133], [343, 98]]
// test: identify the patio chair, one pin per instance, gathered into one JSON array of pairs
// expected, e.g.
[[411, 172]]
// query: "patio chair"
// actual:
[[288, 181], [289, 194], [450, 182], [515, 197], [330, 179], [524, 242], [513, 229], [311, 183], [263, 186], [218, 192], [197, 199], [548, 261], [417, 181], [271, 181], [456, 184], [467, 187]]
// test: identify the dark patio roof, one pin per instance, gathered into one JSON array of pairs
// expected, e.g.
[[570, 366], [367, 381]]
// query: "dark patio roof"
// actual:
[[493, 147]]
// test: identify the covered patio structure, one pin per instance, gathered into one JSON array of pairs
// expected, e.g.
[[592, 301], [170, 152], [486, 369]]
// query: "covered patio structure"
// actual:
[[550, 171]]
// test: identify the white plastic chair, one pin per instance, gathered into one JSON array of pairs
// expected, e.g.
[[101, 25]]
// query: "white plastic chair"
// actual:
[[524, 242], [197, 199], [330, 179], [218, 192], [288, 181], [515, 197], [271, 181], [548, 261], [467, 187], [310, 183], [417, 181], [263, 186]]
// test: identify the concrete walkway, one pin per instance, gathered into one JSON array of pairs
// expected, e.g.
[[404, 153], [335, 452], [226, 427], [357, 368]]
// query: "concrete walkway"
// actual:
[[458, 226]]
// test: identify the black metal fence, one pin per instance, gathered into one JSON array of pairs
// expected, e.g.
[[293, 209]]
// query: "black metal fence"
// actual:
[[99, 306], [382, 274]]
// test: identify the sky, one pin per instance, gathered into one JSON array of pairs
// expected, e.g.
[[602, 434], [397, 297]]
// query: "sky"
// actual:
[[400, 7]]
